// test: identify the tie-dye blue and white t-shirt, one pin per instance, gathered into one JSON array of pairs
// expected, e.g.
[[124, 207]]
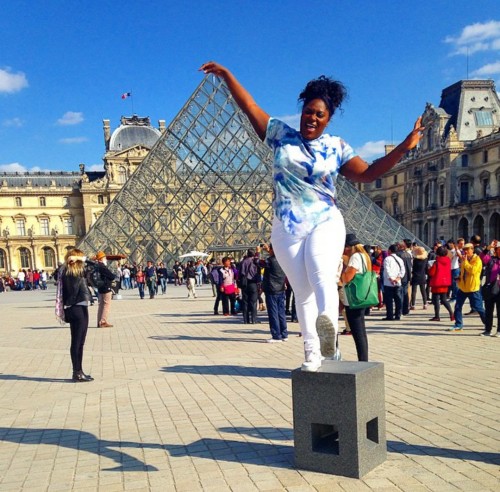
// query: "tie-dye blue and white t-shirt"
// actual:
[[304, 176]]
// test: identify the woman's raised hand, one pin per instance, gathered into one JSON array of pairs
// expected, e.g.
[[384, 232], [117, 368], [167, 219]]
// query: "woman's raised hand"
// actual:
[[412, 140], [212, 67]]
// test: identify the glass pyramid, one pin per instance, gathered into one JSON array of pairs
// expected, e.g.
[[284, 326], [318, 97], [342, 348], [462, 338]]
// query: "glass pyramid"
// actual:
[[206, 186]]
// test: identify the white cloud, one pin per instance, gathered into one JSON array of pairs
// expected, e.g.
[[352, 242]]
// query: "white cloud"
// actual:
[[489, 69], [16, 167], [12, 82], [292, 120], [70, 118], [13, 122], [369, 150], [73, 140], [476, 37], [95, 167]]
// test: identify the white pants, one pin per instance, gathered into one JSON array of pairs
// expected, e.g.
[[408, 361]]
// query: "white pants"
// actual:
[[311, 265]]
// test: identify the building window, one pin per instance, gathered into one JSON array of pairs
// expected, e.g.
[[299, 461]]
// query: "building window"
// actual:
[[395, 179], [19, 202], [484, 118], [378, 183], [464, 192], [485, 185], [441, 195], [395, 207], [465, 160], [100, 199], [122, 175], [379, 204], [68, 225], [65, 201], [44, 227], [485, 157], [24, 256], [2, 259], [48, 258], [43, 203], [21, 227]]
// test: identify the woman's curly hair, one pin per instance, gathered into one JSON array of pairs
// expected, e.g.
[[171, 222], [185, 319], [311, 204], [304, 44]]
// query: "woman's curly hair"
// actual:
[[332, 92]]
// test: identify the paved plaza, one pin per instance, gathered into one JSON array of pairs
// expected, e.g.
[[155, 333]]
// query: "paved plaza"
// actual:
[[184, 401]]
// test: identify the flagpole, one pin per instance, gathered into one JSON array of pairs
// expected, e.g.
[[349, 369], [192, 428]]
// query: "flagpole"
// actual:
[[132, 101]]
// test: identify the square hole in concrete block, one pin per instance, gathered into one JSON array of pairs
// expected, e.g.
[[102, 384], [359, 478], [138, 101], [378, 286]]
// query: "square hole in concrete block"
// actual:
[[372, 430], [325, 438]]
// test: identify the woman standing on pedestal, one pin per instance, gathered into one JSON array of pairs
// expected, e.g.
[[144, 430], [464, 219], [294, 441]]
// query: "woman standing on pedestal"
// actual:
[[308, 229]]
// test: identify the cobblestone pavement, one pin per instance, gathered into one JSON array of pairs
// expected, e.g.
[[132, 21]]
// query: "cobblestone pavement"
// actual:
[[184, 400]]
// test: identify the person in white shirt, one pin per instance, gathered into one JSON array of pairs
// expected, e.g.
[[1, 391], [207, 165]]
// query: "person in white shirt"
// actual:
[[394, 271], [456, 251]]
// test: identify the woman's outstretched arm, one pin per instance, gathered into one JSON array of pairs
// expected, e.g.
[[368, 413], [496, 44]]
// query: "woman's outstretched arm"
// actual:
[[359, 171], [257, 116]]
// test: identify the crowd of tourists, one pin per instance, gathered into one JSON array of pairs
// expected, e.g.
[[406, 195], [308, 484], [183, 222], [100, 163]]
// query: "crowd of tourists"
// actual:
[[26, 279]]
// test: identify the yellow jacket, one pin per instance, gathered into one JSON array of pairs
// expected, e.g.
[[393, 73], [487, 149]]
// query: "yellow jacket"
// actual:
[[470, 274]]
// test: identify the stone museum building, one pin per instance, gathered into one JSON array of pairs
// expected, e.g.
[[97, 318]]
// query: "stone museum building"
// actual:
[[447, 188], [44, 214], [450, 186]]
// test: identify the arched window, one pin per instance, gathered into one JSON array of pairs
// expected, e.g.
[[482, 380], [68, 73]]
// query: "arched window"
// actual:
[[122, 175], [25, 258], [48, 257], [43, 202], [463, 227], [478, 226], [494, 229], [19, 202], [3, 262]]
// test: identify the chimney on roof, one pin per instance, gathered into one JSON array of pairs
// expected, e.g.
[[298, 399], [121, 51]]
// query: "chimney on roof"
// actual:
[[107, 133]]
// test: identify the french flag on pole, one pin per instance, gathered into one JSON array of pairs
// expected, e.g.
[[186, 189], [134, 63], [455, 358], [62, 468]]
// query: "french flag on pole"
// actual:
[[126, 94]]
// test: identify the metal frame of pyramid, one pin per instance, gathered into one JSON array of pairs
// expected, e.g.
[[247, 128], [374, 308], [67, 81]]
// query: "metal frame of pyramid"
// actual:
[[206, 185]]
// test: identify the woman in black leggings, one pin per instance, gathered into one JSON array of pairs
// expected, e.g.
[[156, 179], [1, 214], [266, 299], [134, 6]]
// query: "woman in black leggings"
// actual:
[[359, 261], [76, 298]]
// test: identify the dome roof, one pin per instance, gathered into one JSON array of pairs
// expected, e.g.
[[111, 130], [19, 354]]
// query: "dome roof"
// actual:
[[126, 136]]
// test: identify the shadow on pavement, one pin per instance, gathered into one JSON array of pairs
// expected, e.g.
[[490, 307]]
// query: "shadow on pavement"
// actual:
[[259, 372], [206, 339], [255, 453], [59, 327], [15, 377], [81, 441], [459, 454], [274, 433]]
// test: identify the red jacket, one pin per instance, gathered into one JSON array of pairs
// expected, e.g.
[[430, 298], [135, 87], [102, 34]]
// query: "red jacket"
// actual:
[[440, 275]]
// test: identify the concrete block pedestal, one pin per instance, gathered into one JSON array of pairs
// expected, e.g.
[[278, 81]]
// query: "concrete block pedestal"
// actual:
[[339, 418]]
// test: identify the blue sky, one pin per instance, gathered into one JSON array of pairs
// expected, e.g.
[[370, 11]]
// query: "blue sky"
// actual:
[[65, 64]]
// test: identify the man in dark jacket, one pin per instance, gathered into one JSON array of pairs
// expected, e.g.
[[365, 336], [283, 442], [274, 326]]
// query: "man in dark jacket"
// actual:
[[248, 281], [104, 293], [404, 253], [274, 290]]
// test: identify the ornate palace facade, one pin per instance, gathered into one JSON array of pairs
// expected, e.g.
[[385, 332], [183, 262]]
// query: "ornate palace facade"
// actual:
[[450, 186], [44, 214]]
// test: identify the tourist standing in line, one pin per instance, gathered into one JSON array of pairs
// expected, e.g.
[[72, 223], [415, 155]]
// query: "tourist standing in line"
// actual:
[[274, 286], [359, 261], [72, 301], [150, 273], [469, 283], [104, 291], [491, 299], [393, 273], [308, 229], [440, 279], [140, 280]]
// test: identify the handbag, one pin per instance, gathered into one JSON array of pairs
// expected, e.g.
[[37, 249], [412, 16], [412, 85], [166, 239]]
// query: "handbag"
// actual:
[[362, 290], [229, 289]]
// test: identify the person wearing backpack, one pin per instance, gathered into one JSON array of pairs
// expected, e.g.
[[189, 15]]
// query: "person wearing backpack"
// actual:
[[102, 279]]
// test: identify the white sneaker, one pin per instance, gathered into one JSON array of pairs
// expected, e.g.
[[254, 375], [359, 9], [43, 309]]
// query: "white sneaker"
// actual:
[[273, 340], [313, 360], [326, 333]]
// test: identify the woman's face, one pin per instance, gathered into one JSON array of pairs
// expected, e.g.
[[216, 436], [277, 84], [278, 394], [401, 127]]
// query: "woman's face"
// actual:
[[314, 119], [227, 263]]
